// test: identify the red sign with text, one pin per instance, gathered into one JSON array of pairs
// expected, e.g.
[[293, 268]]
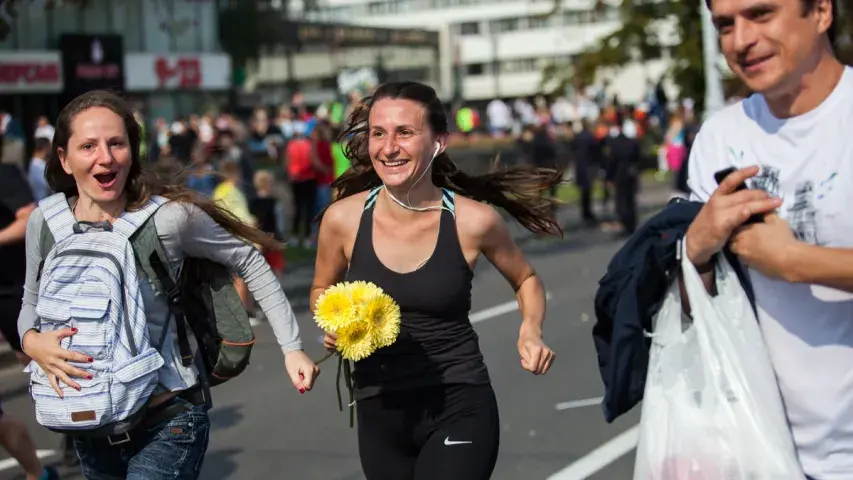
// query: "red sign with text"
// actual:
[[185, 70], [20, 73], [148, 72]]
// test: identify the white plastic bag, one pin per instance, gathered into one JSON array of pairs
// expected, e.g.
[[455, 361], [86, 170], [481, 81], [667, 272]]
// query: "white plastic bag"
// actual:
[[712, 408]]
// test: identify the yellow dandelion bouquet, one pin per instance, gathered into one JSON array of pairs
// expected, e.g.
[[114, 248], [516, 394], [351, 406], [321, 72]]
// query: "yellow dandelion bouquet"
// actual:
[[364, 318]]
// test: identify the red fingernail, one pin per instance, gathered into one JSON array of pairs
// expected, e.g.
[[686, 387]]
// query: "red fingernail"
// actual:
[[73, 330], [89, 377], [78, 388], [301, 390], [90, 359]]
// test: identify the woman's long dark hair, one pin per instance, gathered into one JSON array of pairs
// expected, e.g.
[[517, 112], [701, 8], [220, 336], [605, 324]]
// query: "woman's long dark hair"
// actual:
[[518, 189], [142, 182]]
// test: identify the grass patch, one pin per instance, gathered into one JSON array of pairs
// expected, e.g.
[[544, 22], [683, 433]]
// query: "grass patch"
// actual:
[[298, 253]]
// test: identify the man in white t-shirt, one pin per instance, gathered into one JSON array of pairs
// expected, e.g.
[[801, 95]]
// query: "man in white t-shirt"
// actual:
[[793, 144]]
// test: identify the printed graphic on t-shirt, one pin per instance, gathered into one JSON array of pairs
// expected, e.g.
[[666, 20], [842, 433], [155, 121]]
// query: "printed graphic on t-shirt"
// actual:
[[767, 180], [826, 185], [802, 213]]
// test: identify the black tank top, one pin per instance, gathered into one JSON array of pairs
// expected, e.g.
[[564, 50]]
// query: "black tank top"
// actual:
[[437, 344]]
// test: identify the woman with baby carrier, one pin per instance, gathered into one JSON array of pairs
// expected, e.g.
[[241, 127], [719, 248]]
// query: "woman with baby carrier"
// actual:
[[109, 364]]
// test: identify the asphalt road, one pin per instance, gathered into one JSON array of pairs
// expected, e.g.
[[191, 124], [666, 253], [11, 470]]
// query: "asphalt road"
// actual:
[[263, 428]]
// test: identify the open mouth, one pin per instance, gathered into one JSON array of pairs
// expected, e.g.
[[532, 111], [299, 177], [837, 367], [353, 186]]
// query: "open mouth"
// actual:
[[106, 180]]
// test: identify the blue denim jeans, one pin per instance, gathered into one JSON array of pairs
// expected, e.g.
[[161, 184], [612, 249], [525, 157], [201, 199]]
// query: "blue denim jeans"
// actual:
[[173, 449]]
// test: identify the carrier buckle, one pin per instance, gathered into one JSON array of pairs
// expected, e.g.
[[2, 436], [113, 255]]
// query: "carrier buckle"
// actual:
[[124, 438]]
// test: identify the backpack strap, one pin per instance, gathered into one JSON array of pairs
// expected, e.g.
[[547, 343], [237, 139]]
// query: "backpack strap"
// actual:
[[58, 217], [152, 262], [129, 222]]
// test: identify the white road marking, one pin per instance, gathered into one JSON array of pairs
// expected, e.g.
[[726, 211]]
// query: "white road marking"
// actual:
[[600, 457], [12, 463], [587, 402], [498, 310]]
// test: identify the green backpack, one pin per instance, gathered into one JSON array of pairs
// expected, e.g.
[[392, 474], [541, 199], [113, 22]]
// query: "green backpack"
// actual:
[[204, 298]]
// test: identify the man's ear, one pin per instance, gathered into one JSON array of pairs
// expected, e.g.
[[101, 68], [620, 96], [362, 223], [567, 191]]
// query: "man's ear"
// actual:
[[825, 12]]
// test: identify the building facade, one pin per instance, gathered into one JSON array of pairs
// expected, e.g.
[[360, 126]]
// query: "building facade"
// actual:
[[316, 58], [164, 55], [502, 46]]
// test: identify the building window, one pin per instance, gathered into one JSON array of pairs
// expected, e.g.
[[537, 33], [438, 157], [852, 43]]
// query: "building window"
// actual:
[[475, 69], [469, 28], [504, 25], [570, 18], [537, 22], [519, 66]]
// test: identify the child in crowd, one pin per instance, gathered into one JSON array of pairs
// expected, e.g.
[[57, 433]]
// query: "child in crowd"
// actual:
[[203, 177], [265, 209], [230, 198]]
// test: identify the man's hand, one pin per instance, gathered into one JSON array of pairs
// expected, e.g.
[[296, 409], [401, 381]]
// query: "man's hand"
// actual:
[[725, 211], [766, 246]]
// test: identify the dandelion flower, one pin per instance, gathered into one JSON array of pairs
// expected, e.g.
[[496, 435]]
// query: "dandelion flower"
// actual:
[[335, 308], [383, 315], [354, 341]]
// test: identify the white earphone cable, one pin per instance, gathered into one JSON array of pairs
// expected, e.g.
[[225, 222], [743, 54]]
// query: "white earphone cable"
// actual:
[[408, 194]]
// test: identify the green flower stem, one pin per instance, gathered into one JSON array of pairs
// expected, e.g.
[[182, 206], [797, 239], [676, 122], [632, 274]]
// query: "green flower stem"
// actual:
[[330, 354], [345, 367], [338, 384], [348, 380]]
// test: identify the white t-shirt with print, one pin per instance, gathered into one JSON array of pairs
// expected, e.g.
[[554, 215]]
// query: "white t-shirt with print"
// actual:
[[808, 162]]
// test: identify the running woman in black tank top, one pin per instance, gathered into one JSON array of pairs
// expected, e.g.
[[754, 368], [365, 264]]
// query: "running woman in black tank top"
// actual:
[[426, 408]]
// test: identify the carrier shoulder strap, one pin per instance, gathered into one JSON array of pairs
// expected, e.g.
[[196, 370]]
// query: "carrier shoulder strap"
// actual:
[[129, 222], [58, 217], [152, 262]]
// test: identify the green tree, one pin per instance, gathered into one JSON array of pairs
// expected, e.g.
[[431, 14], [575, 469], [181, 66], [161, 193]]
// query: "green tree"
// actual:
[[639, 39]]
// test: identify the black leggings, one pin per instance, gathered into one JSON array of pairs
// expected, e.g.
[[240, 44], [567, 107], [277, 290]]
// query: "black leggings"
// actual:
[[445, 432]]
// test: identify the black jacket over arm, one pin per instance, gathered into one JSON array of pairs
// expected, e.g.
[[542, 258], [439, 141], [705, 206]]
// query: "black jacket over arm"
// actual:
[[628, 297]]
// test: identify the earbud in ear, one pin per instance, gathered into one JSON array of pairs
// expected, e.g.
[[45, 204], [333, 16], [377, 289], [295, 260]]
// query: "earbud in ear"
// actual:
[[437, 148]]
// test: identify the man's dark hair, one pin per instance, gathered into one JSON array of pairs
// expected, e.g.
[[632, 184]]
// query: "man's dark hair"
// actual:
[[808, 7], [41, 145]]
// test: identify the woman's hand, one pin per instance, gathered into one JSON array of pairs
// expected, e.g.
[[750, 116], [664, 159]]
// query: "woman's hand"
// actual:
[[45, 350], [330, 341], [301, 370], [536, 357]]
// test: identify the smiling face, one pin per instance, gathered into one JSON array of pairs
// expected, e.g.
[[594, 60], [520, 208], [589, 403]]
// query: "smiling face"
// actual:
[[98, 154], [769, 44], [401, 142]]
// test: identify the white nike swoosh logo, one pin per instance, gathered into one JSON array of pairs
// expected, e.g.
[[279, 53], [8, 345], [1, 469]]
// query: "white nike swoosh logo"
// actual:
[[447, 441]]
